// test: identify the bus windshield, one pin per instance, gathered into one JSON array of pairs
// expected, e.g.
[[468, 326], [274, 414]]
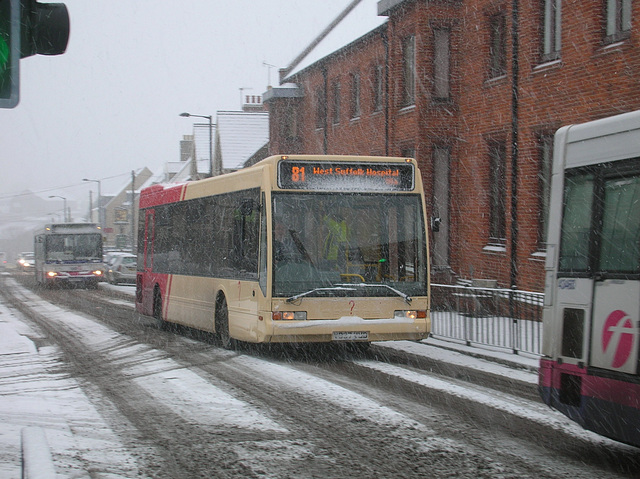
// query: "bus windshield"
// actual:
[[73, 247], [323, 243]]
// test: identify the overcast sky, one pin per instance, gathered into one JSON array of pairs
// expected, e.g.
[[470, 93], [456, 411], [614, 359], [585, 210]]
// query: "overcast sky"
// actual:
[[110, 104]]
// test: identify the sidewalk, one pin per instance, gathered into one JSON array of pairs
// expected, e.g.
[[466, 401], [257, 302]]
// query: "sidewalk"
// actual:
[[510, 373]]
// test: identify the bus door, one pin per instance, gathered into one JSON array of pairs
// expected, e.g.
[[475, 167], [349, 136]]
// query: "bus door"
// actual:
[[149, 230], [144, 286], [615, 326], [598, 284]]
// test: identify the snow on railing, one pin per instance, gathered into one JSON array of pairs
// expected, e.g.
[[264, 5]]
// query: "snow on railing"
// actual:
[[501, 318]]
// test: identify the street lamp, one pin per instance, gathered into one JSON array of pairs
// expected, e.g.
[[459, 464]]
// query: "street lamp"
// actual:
[[100, 212], [210, 118], [64, 210]]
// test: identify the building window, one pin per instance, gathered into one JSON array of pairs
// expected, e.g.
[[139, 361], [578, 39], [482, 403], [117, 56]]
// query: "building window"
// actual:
[[441, 67], [355, 95], [497, 192], [336, 102], [618, 19], [321, 108], [378, 87], [408, 70], [545, 150], [497, 46], [289, 124], [552, 28]]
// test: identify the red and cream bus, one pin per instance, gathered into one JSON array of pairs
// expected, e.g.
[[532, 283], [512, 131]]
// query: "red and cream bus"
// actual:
[[293, 249], [591, 345]]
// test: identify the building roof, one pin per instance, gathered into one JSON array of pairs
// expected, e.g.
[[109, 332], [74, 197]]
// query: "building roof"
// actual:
[[240, 135], [358, 19]]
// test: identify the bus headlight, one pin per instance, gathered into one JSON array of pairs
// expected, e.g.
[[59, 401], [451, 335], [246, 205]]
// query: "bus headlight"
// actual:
[[412, 314], [289, 315], [52, 274], [98, 272]]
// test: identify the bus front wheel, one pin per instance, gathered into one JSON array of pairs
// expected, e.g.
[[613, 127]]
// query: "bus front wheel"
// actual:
[[157, 309]]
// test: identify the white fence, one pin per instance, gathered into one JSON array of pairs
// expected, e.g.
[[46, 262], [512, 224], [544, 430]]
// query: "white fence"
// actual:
[[501, 318]]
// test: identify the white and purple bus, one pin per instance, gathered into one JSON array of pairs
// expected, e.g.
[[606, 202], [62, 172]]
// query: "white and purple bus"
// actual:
[[590, 364], [69, 253]]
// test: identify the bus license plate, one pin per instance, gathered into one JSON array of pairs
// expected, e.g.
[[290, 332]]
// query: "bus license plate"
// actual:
[[351, 335]]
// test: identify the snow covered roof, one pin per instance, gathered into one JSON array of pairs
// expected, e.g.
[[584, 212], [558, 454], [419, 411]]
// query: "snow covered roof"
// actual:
[[362, 19], [240, 135]]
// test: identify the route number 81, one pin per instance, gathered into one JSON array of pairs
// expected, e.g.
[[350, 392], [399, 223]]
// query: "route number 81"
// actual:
[[297, 174]]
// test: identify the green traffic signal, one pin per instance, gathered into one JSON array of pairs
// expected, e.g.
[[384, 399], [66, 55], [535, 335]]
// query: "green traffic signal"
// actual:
[[27, 28], [9, 52]]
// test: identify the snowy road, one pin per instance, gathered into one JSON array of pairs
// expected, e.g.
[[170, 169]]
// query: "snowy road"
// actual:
[[118, 397]]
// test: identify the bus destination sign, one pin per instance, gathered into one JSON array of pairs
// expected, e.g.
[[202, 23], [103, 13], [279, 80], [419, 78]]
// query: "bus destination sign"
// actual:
[[345, 176]]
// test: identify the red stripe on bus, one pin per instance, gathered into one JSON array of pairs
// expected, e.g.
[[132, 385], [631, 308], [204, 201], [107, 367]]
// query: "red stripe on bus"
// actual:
[[598, 387], [161, 194]]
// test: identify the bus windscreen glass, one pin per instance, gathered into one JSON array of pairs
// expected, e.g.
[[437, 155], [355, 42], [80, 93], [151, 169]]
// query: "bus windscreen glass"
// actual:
[[323, 240], [71, 247]]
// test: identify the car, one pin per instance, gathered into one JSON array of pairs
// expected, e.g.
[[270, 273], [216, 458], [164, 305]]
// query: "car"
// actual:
[[121, 268], [26, 261]]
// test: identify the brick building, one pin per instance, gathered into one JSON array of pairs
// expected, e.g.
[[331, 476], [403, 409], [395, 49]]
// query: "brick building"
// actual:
[[474, 90]]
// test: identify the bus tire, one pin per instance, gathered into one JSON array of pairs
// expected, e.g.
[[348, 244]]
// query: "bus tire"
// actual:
[[157, 309], [222, 324]]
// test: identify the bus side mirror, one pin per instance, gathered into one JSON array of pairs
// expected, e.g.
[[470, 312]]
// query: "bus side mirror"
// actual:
[[435, 223]]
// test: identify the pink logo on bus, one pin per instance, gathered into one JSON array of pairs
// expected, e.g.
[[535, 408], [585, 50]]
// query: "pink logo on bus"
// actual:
[[619, 323]]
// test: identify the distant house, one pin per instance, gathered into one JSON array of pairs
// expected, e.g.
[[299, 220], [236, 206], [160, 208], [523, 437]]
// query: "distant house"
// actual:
[[120, 211], [237, 139]]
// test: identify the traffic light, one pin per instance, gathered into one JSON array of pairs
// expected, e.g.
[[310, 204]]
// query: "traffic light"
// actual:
[[44, 29], [28, 28], [9, 52]]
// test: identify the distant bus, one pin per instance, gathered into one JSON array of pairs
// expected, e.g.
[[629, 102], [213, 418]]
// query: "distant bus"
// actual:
[[590, 364], [293, 249], [69, 253]]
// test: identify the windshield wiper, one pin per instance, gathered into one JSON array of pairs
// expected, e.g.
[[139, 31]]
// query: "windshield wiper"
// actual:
[[339, 287], [404, 296]]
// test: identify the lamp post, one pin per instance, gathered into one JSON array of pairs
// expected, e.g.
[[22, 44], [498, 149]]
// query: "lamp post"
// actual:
[[210, 118], [64, 210], [100, 212]]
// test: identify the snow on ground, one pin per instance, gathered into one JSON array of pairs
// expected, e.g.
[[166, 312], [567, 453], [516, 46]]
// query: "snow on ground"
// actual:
[[520, 368], [34, 393]]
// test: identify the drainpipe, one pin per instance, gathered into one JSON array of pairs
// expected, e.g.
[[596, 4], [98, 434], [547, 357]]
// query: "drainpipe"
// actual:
[[325, 143], [515, 67], [385, 41]]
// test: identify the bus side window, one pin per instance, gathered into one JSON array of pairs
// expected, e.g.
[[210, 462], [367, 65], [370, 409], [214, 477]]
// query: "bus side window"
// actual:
[[262, 273]]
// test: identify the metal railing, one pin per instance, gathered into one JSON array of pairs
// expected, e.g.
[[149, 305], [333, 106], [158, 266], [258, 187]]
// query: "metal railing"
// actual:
[[502, 318]]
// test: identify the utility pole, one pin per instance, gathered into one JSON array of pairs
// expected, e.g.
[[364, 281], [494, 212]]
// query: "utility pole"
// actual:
[[133, 210]]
